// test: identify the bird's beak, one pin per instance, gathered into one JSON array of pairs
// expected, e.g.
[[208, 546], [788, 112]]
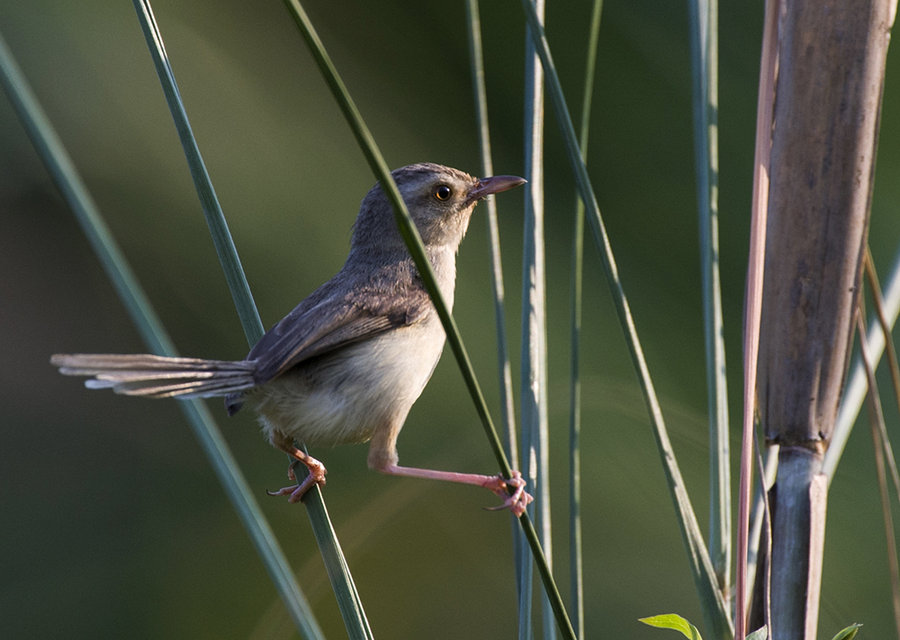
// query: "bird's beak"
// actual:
[[495, 184]]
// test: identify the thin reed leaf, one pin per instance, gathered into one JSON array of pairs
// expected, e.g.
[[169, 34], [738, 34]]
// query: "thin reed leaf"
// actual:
[[533, 398], [753, 302], [855, 390], [881, 446], [62, 170], [576, 547], [414, 242], [705, 62], [761, 537], [344, 588], [215, 218], [507, 413], [893, 367], [715, 611], [766, 467]]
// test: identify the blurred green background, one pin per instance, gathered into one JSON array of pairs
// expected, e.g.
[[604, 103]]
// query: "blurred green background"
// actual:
[[114, 524]]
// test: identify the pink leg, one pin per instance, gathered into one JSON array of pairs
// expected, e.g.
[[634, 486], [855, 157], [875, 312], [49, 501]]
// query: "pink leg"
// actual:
[[515, 501], [316, 471]]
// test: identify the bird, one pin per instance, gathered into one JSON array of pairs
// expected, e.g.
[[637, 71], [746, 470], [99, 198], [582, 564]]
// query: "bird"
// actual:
[[347, 363]]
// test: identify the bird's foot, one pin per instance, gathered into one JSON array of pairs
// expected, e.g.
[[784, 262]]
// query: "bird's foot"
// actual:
[[296, 492], [516, 501]]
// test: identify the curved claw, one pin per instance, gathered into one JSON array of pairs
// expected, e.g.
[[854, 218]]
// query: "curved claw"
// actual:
[[296, 492], [517, 501]]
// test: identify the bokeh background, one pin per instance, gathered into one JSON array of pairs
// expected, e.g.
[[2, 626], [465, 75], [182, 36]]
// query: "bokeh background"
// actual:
[[113, 524]]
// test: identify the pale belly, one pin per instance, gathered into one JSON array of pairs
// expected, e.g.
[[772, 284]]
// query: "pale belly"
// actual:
[[349, 396]]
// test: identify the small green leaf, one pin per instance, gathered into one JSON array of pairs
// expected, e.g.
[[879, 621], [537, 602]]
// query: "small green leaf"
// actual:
[[673, 621], [848, 633], [760, 634]]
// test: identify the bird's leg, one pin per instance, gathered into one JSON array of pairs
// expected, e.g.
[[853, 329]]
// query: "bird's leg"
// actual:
[[512, 490], [316, 473]]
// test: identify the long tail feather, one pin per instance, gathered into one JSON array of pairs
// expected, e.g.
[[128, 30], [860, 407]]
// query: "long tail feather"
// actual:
[[154, 376]]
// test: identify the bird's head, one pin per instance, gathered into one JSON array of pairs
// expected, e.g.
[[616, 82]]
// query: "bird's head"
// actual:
[[439, 199]]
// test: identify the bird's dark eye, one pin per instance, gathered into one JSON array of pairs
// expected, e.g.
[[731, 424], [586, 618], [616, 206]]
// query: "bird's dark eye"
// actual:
[[443, 192]]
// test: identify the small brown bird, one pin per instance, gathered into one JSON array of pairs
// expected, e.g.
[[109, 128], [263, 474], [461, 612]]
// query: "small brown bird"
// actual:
[[347, 364]]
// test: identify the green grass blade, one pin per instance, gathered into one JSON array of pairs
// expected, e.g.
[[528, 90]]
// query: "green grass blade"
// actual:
[[533, 399], [344, 588], [702, 571], [67, 179], [576, 554], [417, 251], [215, 218], [705, 59], [345, 591], [61, 168], [252, 517], [855, 389], [507, 413]]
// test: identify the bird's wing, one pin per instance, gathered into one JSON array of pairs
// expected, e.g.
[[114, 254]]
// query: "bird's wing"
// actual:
[[323, 323]]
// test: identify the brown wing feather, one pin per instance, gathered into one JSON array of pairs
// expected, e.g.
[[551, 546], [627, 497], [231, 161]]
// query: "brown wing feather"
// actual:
[[324, 323]]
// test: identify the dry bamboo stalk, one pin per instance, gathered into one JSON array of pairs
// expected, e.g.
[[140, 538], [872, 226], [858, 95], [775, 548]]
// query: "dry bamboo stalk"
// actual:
[[828, 100]]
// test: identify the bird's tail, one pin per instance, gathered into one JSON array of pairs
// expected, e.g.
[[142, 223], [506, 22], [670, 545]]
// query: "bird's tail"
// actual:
[[158, 376]]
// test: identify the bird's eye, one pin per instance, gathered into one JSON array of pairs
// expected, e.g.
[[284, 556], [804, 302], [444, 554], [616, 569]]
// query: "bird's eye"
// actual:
[[443, 192]]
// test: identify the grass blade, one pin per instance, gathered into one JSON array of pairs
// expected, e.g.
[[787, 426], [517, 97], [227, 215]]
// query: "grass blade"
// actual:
[[705, 59], [534, 327], [855, 390], [414, 242], [753, 304], [893, 366], [67, 179], [881, 446], [215, 218], [507, 413], [766, 467], [344, 588], [711, 600], [576, 553]]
